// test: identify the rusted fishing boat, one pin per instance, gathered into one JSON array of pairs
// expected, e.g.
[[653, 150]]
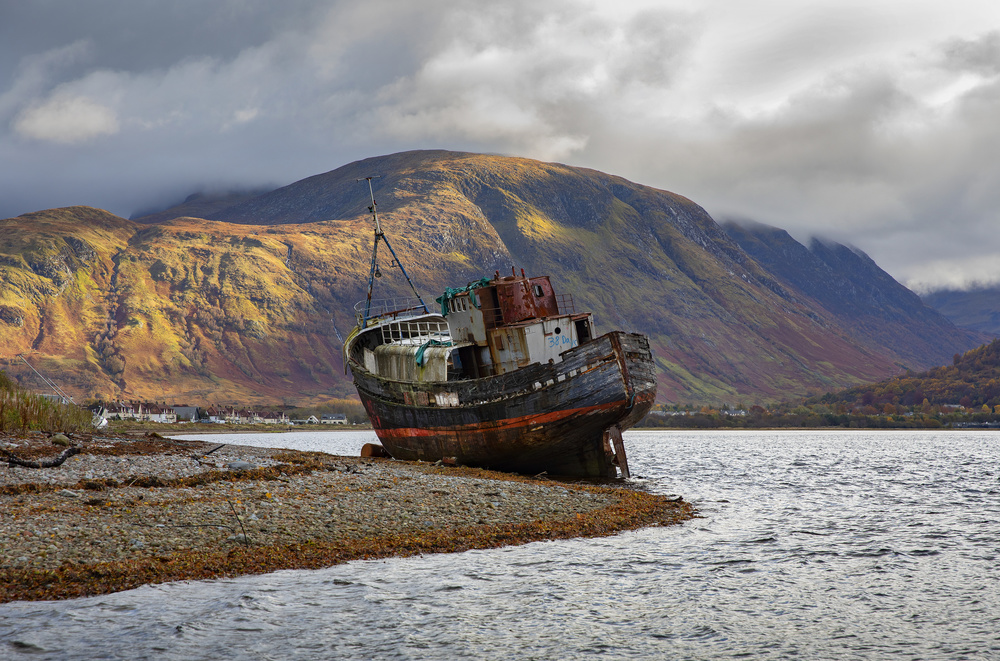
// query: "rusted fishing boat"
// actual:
[[502, 373]]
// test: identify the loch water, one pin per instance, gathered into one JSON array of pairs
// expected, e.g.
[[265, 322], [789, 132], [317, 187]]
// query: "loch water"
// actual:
[[811, 545]]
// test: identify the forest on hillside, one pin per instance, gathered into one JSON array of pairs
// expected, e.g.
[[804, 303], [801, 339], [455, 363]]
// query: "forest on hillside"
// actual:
[[965, 393], [972, 381]]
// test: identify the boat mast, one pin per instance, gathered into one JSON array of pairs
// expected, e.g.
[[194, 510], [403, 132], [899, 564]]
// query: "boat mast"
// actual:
[[374, 271], [49, 382]]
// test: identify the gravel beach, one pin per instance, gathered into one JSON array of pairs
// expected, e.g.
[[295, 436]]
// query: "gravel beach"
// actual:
[[133, 509]]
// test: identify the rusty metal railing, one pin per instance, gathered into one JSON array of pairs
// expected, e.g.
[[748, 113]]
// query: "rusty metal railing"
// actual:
[[565, 304]]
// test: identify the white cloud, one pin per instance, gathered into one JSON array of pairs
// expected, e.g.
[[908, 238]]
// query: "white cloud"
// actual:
[[36, 72], [537, 80], [67, 120], [957, 273]]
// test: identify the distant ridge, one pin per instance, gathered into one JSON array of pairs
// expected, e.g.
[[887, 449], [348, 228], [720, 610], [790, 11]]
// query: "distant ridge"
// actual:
[[878, 311], [241, 307], [977, 309], [196, 205]]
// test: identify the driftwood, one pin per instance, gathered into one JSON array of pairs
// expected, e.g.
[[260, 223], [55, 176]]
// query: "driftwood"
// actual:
[[52, 462], [199, 457]]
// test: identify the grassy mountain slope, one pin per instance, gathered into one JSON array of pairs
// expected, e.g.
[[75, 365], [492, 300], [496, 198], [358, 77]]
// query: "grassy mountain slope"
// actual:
[[197, 205], [237, 308], [185, 310], [639, 257]]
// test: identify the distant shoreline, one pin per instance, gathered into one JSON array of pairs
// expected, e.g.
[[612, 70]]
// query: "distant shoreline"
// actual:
[[177, 428], [172, 433]]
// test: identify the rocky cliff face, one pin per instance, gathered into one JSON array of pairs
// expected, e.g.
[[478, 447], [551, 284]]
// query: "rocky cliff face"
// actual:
[[243, 306]]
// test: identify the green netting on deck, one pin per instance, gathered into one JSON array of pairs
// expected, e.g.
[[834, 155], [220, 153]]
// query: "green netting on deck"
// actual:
[[451, 293], [419, 358]]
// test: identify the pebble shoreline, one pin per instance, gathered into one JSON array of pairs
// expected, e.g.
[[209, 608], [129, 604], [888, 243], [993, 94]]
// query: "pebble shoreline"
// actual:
[[129, 510]]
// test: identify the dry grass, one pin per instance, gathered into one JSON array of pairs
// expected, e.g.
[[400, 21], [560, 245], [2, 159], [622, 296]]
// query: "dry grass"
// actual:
[[23, 411]]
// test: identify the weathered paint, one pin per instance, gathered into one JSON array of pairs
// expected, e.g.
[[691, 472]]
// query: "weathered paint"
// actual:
[[398, 362]]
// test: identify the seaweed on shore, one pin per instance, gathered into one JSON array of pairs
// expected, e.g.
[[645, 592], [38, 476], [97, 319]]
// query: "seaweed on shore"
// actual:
[[632, 509]]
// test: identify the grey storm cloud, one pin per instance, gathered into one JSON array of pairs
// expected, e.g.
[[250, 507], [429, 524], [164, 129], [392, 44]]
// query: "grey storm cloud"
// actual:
[[979, 55], [873, 125]]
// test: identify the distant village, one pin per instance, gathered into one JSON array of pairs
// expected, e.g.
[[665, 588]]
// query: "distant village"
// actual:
[[152, 412]]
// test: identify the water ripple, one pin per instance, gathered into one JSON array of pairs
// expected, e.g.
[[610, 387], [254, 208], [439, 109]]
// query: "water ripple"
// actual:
[[813, 545]]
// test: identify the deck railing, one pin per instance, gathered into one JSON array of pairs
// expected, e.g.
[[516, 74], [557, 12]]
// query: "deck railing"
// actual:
[[402, 308], [390, 308]]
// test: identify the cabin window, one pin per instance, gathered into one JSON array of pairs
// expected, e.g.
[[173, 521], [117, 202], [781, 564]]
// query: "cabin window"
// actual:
[[539, 292], [558, 330]]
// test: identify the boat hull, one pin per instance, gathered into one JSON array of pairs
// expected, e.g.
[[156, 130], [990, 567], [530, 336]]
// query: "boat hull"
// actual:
[[550, 417]]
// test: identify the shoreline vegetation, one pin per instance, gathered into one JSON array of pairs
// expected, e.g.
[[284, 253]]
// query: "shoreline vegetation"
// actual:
[[23, 410], [180, 428], [707, 418], [134, 509], [963, 395]]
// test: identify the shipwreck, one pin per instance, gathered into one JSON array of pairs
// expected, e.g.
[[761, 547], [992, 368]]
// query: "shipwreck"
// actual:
[[502, 373]]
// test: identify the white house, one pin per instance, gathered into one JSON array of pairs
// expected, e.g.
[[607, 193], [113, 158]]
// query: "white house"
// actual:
[[274, 418], [157, 413]]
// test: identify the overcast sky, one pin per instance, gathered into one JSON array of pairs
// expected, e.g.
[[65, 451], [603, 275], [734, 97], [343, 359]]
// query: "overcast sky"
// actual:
[[872, 122]]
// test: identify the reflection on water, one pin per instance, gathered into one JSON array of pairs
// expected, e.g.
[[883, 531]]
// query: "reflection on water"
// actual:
[[813, 545]]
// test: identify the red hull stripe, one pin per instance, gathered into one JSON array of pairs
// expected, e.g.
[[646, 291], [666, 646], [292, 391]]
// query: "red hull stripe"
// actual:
[[506, 424]]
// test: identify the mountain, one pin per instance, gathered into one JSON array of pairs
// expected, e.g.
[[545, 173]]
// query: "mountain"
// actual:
[[880, 313], [237, 306], [977, 309]]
